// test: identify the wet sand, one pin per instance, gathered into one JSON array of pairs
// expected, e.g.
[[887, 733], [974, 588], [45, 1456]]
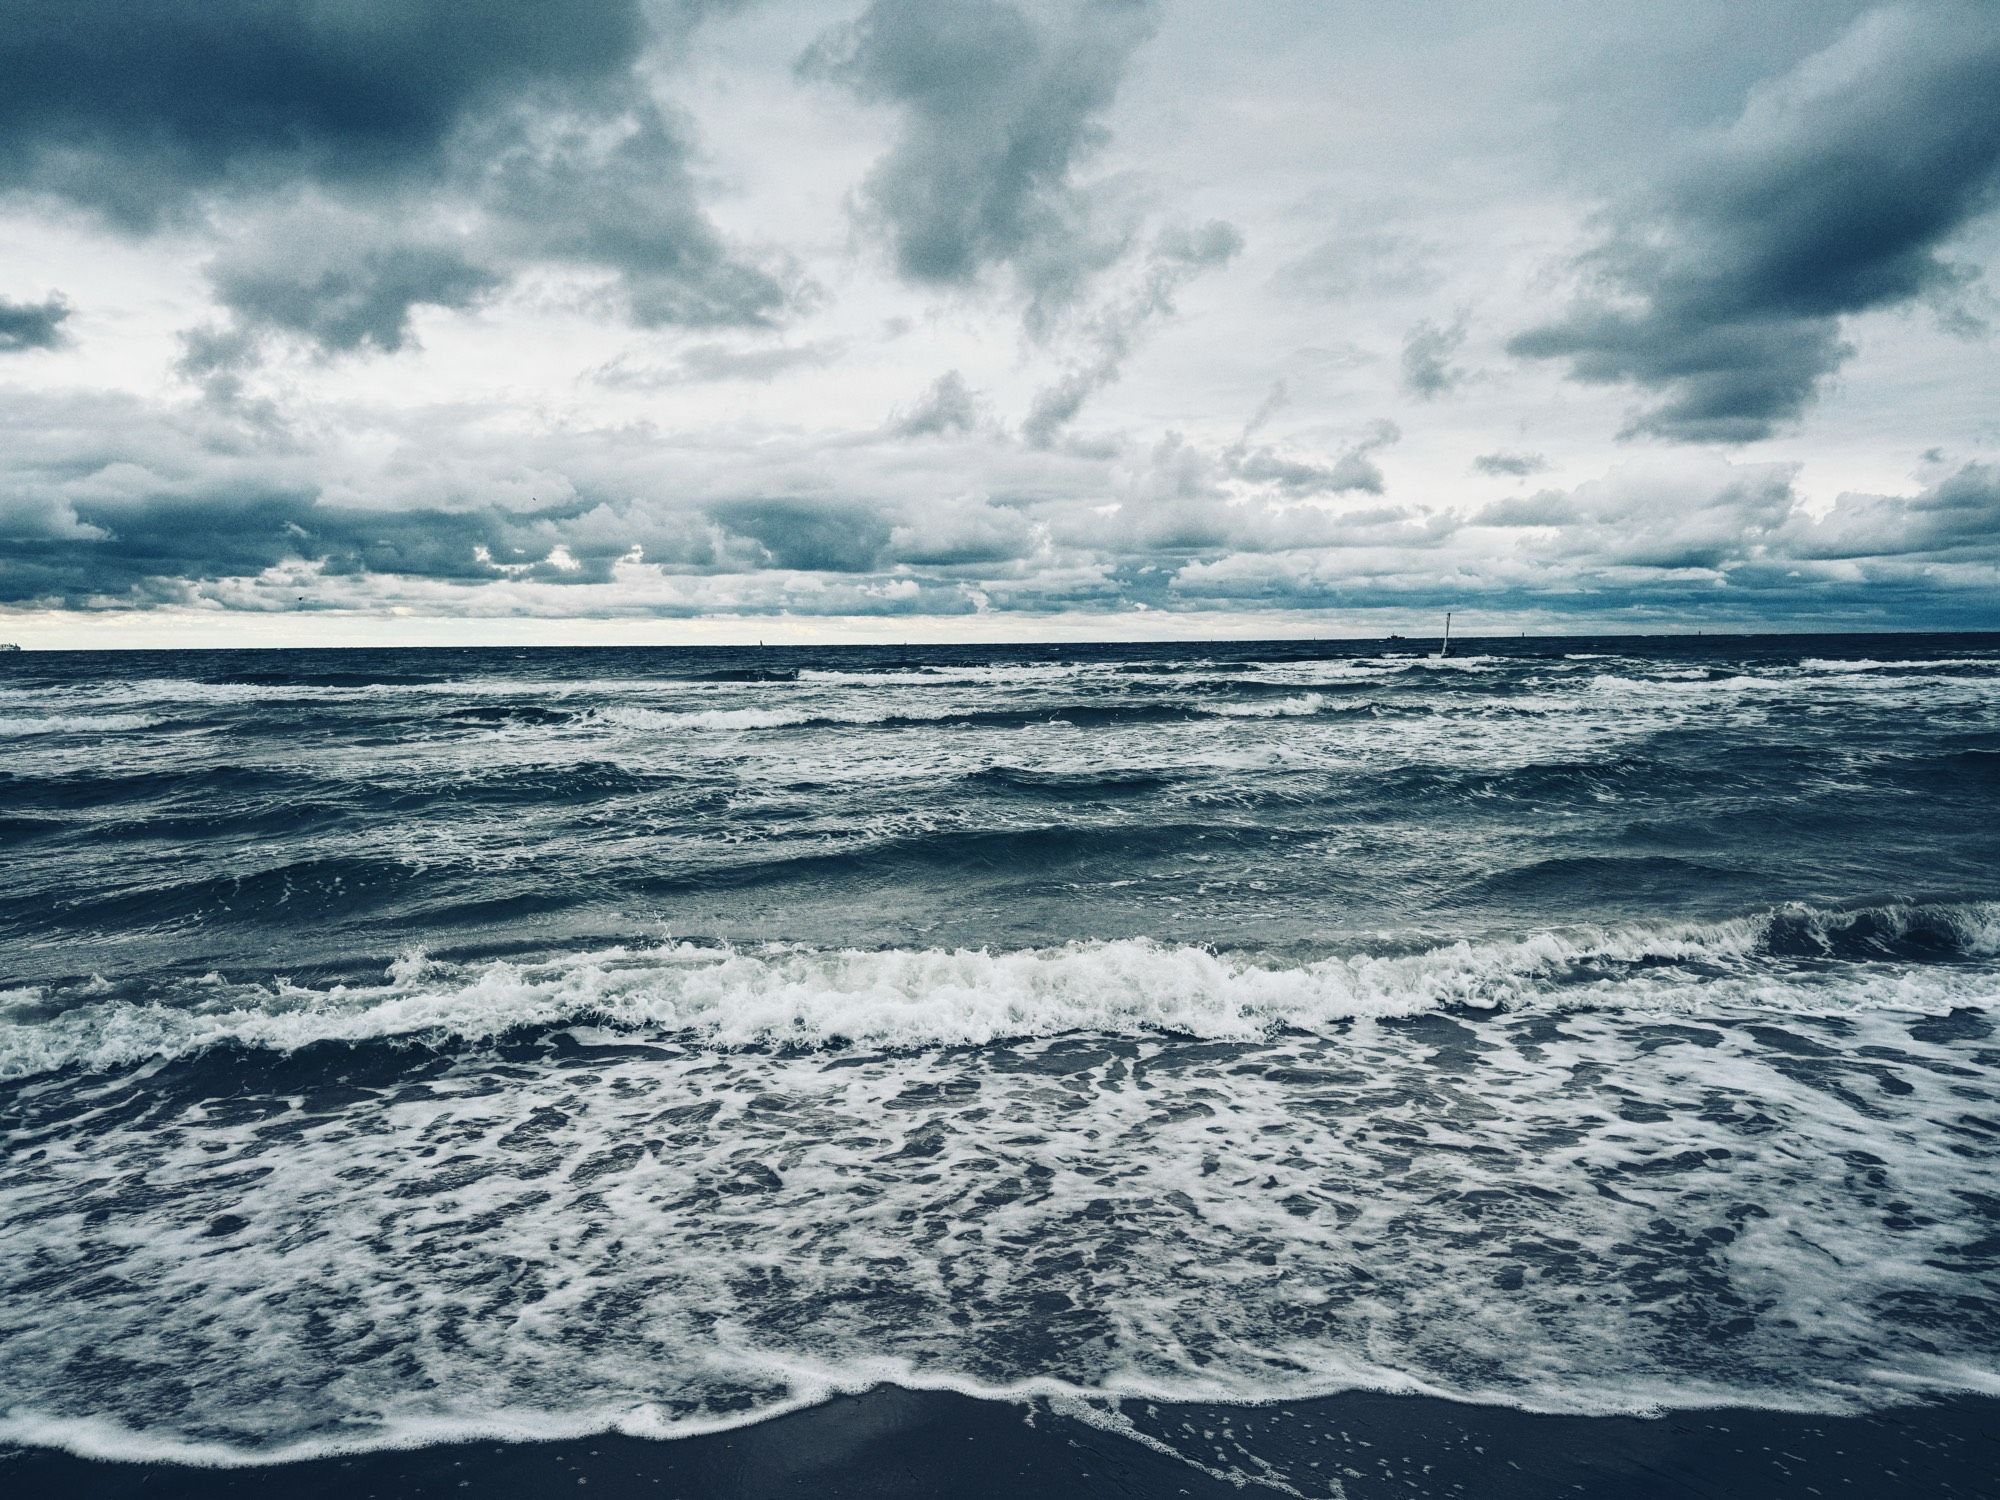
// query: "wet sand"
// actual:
[[890, 1442]]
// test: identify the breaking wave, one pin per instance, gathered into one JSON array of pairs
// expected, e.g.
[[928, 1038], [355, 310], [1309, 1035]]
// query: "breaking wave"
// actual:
[[1915, 957]]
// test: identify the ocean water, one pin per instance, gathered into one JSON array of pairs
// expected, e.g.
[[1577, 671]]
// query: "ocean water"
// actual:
[[404, 1046]]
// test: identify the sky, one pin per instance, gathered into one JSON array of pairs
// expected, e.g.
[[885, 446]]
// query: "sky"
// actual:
[[428, 321]]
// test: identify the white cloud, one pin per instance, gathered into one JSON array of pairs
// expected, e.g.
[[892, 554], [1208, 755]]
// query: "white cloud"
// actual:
[[686, 333]]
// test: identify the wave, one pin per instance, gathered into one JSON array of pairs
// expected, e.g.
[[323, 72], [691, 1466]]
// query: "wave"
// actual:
[[1175, 668], [292, 676], [1918, 664], [33, 724], [748, 674], [1609, 778], [1430, 663], [1917, 933], [114, 1442], [91, 787], [827, 717], [504, 713], [1971, 767], [710, 718], [915, 848], [1115, 1407], [923, 998], [1301, 706], [931, 674], [1678, 682], [1079, 714], [1075, 783]]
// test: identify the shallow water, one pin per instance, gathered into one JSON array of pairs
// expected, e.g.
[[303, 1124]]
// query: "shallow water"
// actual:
[[398, 1046]]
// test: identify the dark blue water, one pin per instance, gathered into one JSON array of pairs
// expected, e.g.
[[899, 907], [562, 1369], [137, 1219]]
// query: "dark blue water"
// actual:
[[401, 1045]]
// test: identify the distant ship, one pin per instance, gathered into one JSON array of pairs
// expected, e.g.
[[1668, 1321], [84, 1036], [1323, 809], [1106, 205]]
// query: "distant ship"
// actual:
[[8, 646]]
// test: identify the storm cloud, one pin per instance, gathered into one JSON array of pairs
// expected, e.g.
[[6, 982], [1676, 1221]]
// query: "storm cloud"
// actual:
[[345, 283], [32, 325], [615, 192], [134, 110], [103, 506], [526, 133], [793, 309], [998, 108], [1836, 191]]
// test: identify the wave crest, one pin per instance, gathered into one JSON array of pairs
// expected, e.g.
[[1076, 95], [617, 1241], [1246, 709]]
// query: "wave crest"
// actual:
[[1902, 956]]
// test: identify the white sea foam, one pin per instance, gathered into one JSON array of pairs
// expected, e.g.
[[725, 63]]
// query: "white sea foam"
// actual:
[[1565, 1212], [918, 998], [702, 719], [1300, 706], [79, 724], [1681, 684], [933, 676], [1459, 663], [1822, 664]]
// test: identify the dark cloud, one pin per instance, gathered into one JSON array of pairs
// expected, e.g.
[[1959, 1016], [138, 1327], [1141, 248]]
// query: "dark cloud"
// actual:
[[152, 545], [962, 536], [32, 325], [1427, 353], [809, 535], [1957, 518], [998, 107], [1731, 382], [616, 193], [1110, 335], [343, 292], [216, 358], [949, 406], [163, 535], [133, 109], [103, 503], [610, 194], [1519, 465], [529, 127], [1833, 193], [1352, 470]]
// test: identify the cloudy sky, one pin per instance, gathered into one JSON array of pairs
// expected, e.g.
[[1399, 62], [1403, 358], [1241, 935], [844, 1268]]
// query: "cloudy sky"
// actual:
[[679, 320]]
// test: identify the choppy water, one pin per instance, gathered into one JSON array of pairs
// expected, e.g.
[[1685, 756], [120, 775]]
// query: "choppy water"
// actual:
[[396, 1046]]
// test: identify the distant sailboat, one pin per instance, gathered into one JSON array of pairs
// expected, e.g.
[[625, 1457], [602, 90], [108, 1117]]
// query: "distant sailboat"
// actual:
[[1444, 650]]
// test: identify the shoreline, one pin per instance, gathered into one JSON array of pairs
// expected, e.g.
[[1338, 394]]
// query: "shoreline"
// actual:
[[894, 1442]]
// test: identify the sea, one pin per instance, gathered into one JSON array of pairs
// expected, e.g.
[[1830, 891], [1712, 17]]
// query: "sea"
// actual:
[[401, 1047]]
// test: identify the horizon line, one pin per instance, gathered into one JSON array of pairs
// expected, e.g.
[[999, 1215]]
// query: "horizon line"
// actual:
[[1003, 643]]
